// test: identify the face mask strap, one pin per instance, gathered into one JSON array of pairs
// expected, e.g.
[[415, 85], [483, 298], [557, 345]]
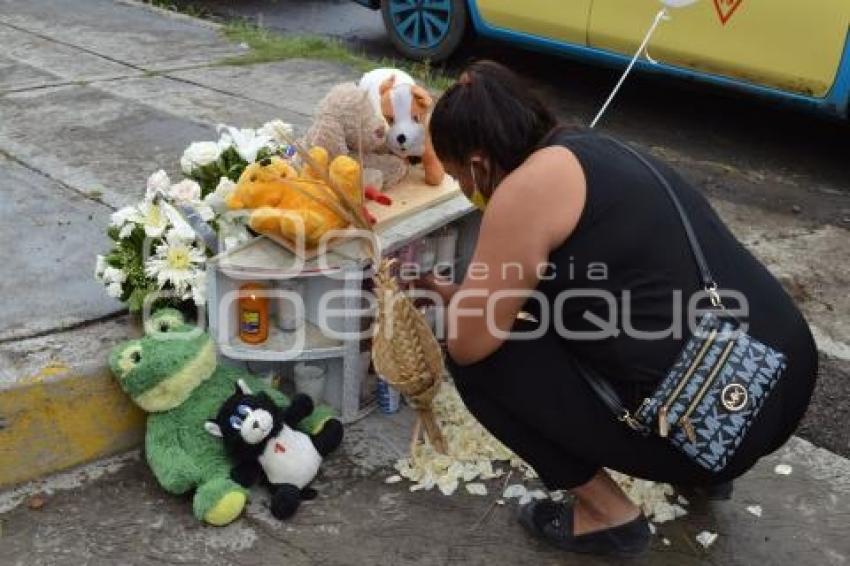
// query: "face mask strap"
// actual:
[[478, 198]]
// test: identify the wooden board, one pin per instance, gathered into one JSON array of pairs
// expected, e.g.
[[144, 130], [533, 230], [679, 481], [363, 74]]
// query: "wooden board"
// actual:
[[410, 196]]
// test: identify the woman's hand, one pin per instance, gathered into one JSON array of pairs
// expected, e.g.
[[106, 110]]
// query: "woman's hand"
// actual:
[[436, 284]]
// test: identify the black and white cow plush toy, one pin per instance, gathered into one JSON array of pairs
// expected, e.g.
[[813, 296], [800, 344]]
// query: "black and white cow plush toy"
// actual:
[[262, 440]]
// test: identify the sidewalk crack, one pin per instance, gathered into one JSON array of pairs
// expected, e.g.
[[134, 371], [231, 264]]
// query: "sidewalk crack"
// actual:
[[60, 182]]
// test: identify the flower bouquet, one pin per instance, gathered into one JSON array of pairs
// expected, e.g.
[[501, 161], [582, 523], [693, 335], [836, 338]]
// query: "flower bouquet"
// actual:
[[157, 247]]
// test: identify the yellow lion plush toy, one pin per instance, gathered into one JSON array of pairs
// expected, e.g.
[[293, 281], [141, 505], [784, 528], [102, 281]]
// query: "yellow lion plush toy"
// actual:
[[278, 196]]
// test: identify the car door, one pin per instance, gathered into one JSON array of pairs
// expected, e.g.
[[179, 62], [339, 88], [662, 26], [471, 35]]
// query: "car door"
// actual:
[[561, 20], [793, 45]]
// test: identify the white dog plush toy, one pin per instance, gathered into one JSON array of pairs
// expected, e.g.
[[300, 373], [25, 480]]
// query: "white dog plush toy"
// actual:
[[406, 107]]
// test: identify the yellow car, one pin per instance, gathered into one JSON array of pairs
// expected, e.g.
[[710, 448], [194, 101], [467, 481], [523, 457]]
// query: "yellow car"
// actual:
[[795, 50]]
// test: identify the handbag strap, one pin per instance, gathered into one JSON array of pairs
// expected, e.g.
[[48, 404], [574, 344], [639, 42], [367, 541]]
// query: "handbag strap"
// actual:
[[610, 398], [601, 386], [708, 282]]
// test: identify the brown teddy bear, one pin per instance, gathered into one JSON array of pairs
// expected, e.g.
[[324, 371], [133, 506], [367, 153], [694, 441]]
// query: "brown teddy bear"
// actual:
[[346, 117]]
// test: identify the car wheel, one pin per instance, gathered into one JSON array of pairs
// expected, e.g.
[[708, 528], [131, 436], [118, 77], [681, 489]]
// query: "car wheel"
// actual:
[[425, 29]]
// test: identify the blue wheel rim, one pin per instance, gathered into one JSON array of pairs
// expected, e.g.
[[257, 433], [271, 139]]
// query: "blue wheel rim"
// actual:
[[421, 24]]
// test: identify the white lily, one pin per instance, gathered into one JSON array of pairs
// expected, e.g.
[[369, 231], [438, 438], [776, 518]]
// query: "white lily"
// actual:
[[176, 261], [246, 141], [147, 214], [157, 183], [153, 219]]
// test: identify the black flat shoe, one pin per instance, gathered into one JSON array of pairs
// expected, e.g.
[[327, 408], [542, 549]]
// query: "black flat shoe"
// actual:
[[553, 522]]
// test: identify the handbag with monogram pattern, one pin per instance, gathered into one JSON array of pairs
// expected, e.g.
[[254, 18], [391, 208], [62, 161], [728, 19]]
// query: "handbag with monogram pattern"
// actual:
[[718, 384]]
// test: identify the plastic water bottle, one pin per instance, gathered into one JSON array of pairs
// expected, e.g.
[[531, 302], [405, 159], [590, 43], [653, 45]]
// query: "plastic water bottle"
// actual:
[[389, 399]]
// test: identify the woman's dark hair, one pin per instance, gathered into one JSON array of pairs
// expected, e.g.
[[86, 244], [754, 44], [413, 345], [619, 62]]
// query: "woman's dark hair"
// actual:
[[489, 109]]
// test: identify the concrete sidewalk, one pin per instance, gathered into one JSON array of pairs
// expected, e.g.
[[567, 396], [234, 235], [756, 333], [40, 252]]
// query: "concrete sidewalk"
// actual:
[[94, 99], [114, 513]]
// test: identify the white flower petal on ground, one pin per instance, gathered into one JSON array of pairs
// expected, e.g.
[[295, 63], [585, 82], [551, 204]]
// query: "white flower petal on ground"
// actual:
[[653, 498], [471, 448], [538, 494], [175, 262], [199, 154], [186, 191], [652, 528], [783, 470], [755, 510], [514, 491], [447, 485], [706, 538], [476, 488], [393, 479], [666, 541], [157, 183]]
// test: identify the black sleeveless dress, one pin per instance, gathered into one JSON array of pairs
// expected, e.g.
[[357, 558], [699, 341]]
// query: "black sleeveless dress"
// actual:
[[613, 291]]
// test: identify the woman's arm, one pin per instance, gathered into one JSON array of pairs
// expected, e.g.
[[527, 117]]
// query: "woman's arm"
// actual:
[[534, 211]]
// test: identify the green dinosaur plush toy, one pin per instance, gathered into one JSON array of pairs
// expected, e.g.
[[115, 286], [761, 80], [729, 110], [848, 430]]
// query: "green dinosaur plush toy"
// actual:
[[172, 374]]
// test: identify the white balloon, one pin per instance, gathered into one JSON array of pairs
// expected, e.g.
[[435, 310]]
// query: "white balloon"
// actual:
[[678, 3]]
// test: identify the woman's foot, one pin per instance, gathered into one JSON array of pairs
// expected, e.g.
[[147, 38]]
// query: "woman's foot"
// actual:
[[556, 523]]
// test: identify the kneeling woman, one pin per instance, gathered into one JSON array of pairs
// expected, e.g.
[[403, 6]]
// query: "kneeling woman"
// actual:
[[583, 262]]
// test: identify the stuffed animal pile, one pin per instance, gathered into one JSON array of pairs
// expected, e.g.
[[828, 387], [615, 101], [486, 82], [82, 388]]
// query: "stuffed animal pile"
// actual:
[[173, 375]]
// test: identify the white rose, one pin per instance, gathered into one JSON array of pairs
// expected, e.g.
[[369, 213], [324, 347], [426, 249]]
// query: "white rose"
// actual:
[[186, 191], [113, 275], [158, 182], [114, 290], [199, 154], [278, 130]]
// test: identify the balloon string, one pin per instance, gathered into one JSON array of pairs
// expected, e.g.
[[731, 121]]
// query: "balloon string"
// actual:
[[662, 14]]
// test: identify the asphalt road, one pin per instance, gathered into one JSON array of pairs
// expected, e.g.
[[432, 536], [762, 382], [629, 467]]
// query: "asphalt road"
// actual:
[[737, 149]]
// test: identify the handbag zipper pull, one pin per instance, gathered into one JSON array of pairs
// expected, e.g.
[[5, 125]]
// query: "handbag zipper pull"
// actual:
[[663, 423], [688, 427]]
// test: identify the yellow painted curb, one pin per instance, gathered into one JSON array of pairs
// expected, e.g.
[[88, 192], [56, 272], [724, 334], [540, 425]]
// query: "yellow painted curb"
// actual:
[[61, 418]]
